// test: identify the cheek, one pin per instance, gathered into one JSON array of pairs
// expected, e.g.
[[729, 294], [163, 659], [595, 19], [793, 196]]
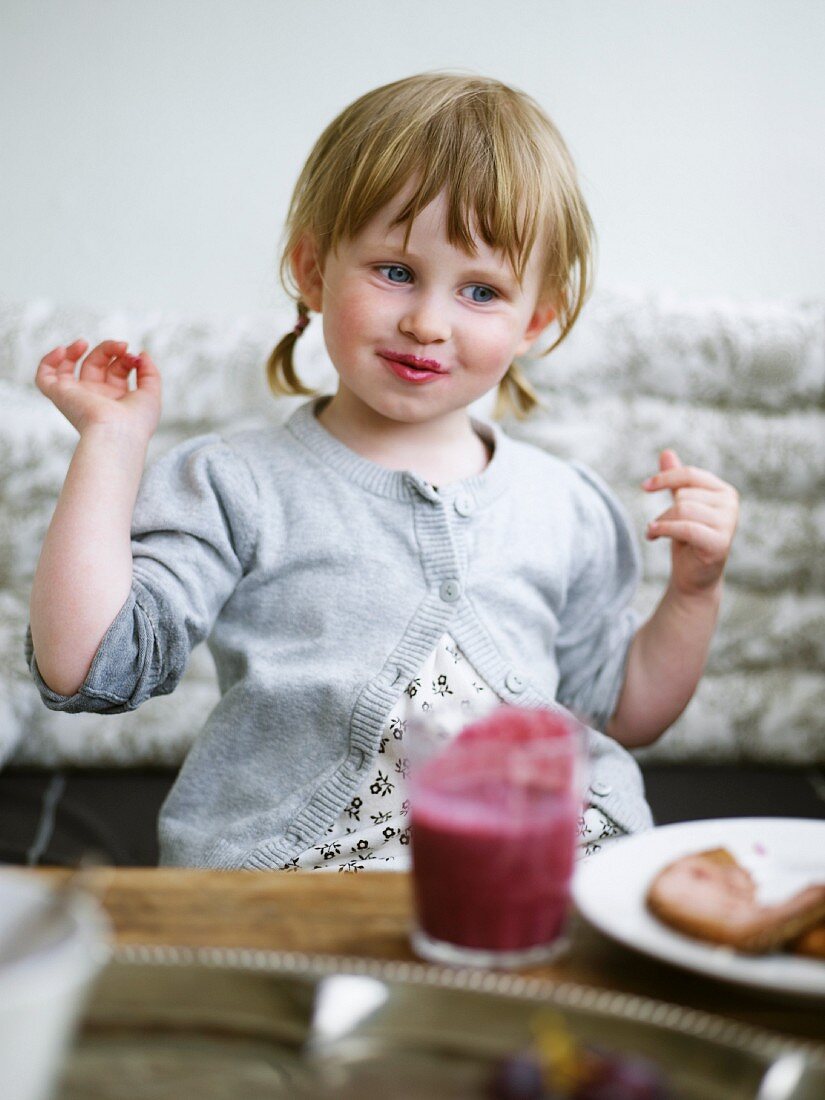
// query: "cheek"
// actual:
[[497, 342], [348, 317]]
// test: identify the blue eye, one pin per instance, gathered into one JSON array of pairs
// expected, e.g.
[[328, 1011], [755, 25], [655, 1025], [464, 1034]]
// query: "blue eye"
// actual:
[[487, 294], [391, 271]]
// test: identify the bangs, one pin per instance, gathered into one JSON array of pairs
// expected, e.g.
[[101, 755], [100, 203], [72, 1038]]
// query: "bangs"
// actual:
[[465, 151], [498, 159]]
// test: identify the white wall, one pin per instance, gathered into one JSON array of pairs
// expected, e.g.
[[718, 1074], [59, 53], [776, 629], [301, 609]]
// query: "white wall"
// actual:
[[148, 148]]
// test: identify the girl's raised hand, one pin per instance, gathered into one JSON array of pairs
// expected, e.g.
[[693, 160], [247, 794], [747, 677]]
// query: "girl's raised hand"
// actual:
[[700, 522], [100, 395]]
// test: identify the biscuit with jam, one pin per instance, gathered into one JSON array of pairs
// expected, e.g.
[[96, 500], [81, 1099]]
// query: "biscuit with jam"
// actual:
[[709, 896]]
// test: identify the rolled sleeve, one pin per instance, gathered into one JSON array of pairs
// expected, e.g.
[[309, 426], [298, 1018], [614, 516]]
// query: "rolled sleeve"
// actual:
[[122, 673], [193, 534]]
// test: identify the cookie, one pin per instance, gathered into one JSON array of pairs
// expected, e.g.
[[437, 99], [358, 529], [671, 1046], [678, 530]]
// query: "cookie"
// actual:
[[810, 943], [709, 896]]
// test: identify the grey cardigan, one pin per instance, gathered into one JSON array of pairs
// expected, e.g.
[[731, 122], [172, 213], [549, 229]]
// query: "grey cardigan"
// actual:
[[322, 581]]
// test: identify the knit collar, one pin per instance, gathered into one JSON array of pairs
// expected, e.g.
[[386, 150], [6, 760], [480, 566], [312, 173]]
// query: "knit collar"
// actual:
[[403, 484]]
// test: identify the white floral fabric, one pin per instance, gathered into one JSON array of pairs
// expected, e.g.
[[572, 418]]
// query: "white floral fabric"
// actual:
[[373, 831]]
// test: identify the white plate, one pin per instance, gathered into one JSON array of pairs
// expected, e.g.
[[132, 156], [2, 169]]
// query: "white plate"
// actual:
[[610, 889]]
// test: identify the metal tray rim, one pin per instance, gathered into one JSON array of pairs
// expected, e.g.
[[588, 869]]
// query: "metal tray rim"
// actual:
[[748, 1038]]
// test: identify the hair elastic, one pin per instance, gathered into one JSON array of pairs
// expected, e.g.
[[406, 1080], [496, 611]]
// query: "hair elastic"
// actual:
[[301, 324]]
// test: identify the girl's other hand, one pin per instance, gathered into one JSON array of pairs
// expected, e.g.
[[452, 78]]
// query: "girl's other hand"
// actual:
[[100, 394], [701, 523]]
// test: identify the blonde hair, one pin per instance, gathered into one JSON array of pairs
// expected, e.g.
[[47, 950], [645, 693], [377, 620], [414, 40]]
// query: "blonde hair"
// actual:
[[502, 165]]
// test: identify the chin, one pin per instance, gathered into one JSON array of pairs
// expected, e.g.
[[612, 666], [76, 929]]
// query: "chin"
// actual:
[[414, 410]]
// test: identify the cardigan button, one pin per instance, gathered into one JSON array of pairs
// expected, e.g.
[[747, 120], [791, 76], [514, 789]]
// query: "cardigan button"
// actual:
[[514, 683], [601, 790], [464, 504], [450, 590]]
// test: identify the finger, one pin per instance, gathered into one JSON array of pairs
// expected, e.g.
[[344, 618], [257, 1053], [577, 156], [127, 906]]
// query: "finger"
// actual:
[[121, 367], [684, 477], [74, 351], [709, 497], [669, 460], [705, 539], [692, 512], [96, 364], [60, 360], [147, 375]]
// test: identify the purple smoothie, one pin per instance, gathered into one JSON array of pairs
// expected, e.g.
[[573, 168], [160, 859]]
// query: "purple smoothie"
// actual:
[[494, 819]]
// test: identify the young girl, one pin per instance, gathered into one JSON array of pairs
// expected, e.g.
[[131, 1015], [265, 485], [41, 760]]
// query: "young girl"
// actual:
[[384, 550]]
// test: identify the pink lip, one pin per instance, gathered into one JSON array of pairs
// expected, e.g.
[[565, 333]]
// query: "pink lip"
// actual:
[[413, 361]]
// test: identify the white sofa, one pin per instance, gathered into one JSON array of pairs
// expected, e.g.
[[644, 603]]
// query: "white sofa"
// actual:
[[736, 387]]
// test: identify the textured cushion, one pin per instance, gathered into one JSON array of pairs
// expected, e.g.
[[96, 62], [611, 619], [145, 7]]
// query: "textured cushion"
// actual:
[[736, 388]]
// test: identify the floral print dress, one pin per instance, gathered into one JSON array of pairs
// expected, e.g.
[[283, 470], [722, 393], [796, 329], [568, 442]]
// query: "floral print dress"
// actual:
[[373, 831]]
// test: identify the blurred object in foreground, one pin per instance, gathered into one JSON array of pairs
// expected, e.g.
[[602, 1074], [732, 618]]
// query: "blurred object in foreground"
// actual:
[[53, 942]]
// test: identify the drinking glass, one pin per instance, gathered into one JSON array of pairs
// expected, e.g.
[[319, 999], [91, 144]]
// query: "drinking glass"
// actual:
[[494, 812]]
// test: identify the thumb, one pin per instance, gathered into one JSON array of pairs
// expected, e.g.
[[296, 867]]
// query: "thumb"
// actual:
[[669, 460]]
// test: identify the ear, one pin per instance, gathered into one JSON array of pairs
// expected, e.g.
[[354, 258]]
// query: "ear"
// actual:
[[307, 271], [542, 316]]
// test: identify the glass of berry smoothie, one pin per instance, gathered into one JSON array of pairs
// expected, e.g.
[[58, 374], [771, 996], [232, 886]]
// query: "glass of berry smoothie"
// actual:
[[494, 810]]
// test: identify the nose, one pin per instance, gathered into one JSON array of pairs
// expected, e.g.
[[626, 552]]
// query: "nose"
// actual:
[[426, 320]]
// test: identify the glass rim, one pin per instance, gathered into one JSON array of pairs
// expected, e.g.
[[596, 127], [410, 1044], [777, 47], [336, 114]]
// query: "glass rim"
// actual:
[[441, 733], [553, 766]]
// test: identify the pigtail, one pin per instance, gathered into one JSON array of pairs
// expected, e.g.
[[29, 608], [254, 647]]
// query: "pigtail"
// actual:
[[515, 395], [280, 369]]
